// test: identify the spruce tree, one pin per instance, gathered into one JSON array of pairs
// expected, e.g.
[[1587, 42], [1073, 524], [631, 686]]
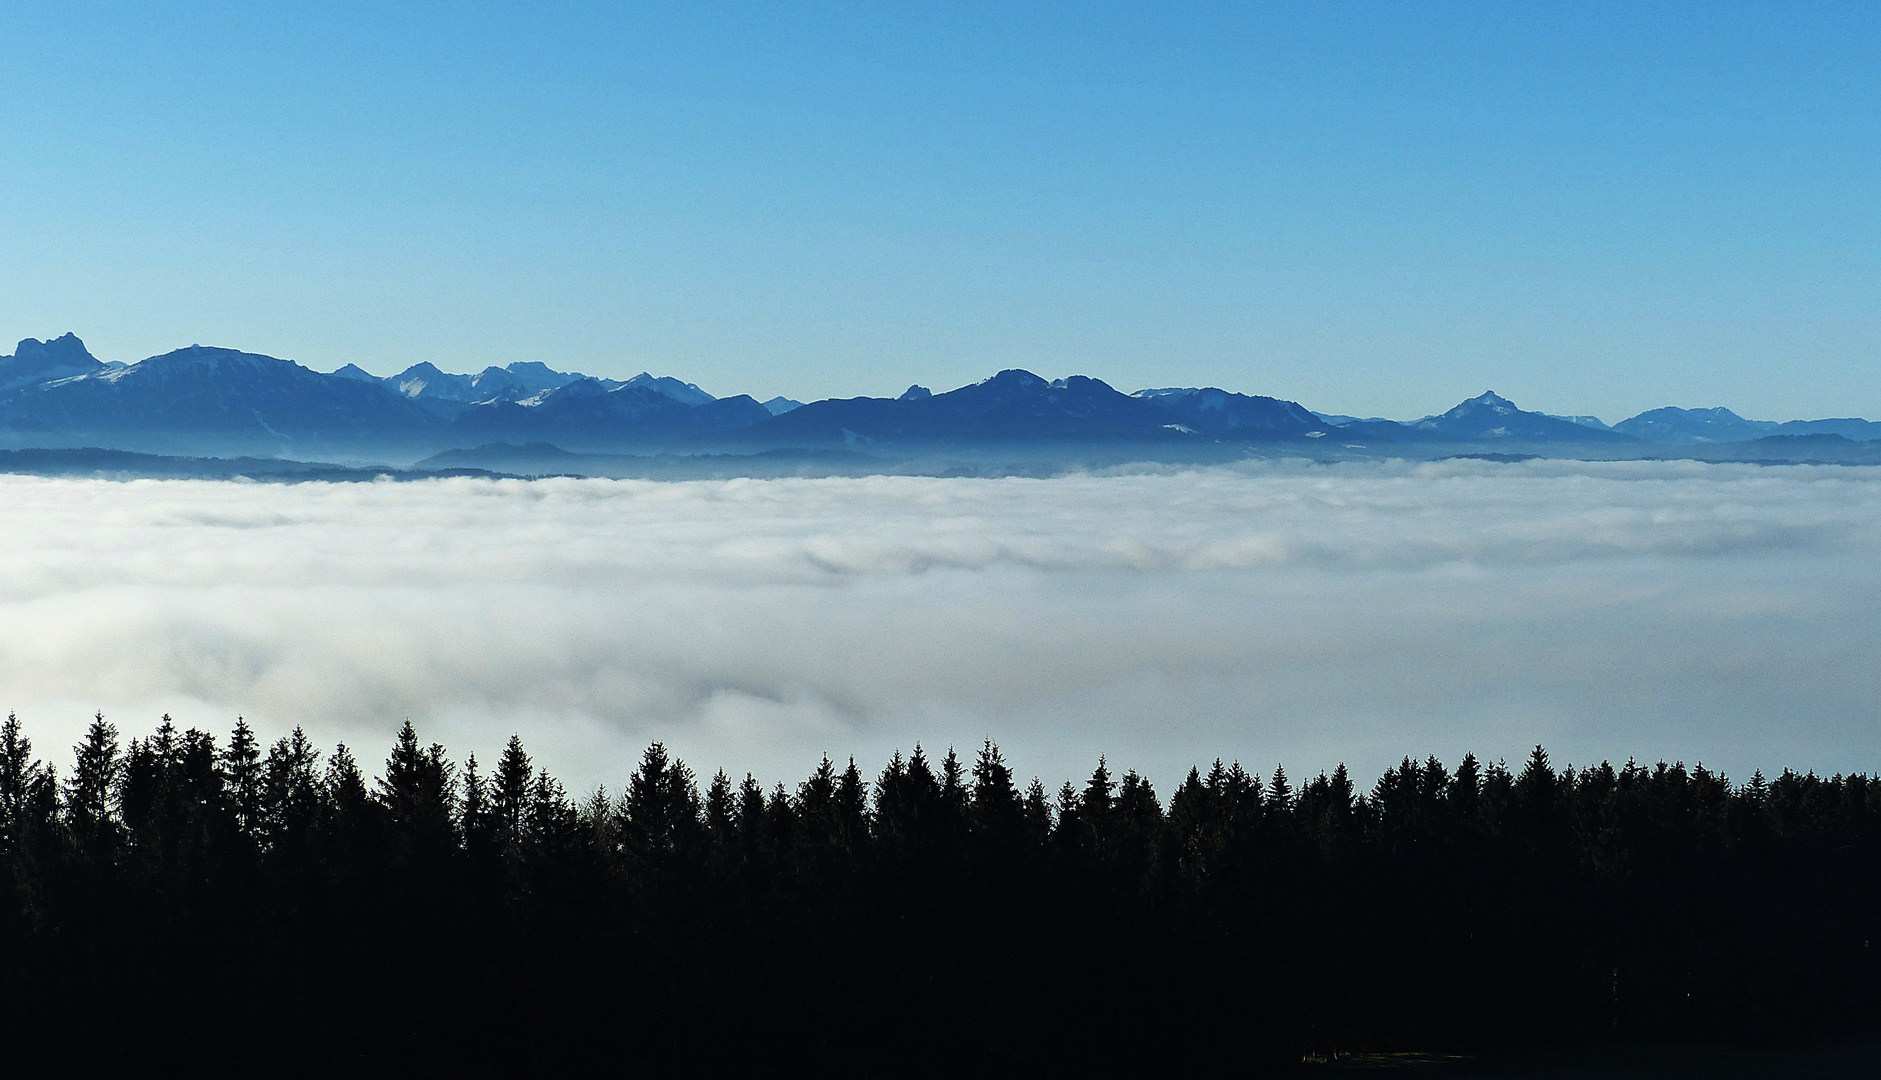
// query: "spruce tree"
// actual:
[[1068, 832], [241, 771], [476, 821], [598, 829], [816, 807], [1139, 829], [28, 802], [1095, 805], [348, 828], [511, 787], [1280, 793], [951, 805], [721, 814], [780, 822], [660, 812], [753, 826], [553, 829], [88, 794], [18, 770], [998, 815], [290, 792], [1539, 799], [893, 819], [417, 793], [1038, 815], [1465, 796], [852, 808]]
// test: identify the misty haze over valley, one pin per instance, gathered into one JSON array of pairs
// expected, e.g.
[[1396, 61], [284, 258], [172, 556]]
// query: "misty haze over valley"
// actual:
[[1276, 611]]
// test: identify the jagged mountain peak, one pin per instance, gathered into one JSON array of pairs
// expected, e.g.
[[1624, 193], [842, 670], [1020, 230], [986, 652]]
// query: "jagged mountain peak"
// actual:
[[1490, 416], [425, 379], [536, 374], [683, 392], [424, 369], [64, 348], [35, 361], [780, 405], [584, 388], [1488, 399]]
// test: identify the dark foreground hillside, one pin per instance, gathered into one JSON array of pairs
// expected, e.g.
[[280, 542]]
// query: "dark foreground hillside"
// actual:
[[1612, 1061], [174, 902]]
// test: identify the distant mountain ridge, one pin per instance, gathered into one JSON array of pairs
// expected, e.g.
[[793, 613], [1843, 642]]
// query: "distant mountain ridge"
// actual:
[[589, 415], [517, 381], [213, 401], [198, 400], [1490, 416], [1693, 425], [1017, 407]]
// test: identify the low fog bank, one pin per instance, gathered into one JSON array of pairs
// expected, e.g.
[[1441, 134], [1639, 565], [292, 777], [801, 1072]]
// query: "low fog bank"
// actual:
[[1279, 612]]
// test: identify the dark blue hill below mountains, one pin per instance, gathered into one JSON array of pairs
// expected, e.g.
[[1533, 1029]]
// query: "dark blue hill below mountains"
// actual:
[[93, 463], [1724, 426], [216, 402]]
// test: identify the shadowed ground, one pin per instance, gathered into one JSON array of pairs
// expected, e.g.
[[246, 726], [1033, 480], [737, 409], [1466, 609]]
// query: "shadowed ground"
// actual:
[[1622, 1063]]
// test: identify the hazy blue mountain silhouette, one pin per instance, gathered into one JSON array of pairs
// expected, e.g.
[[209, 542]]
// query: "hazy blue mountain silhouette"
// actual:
[[446, 394], [1017, 407], [1693, 425], [210, 400], [1817, 439], [588, 416], [1584, 421], [1852, 428], [357, 374], [525, 381], [683, 392], [1722, 425], [1490, 417], [1226, 415], [34, 361]]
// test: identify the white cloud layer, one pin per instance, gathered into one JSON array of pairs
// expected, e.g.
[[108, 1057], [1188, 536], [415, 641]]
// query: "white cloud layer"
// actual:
[[1279, 613]]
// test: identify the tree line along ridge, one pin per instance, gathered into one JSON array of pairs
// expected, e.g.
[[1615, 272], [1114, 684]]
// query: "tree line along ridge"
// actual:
[[235, 907]]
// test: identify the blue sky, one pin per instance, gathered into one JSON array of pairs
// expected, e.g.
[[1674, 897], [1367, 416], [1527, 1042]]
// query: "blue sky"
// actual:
[[1372, 208]]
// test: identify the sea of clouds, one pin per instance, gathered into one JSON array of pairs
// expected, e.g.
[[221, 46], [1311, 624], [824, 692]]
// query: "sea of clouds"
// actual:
[[1278, 613]]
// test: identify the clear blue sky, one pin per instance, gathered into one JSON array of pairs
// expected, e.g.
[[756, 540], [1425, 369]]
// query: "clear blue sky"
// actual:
[[1374, 208]]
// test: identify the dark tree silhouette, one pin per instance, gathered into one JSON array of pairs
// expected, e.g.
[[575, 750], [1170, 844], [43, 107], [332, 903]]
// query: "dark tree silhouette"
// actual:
[[432, 919]]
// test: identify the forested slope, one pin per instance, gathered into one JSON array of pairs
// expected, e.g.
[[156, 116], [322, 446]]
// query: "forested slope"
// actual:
[[234, 907]]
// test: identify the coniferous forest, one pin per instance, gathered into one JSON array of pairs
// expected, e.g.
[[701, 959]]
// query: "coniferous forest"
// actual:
[[176, 898]]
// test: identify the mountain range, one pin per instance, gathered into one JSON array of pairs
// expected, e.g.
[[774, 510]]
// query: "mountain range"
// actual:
[[207, 401]]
